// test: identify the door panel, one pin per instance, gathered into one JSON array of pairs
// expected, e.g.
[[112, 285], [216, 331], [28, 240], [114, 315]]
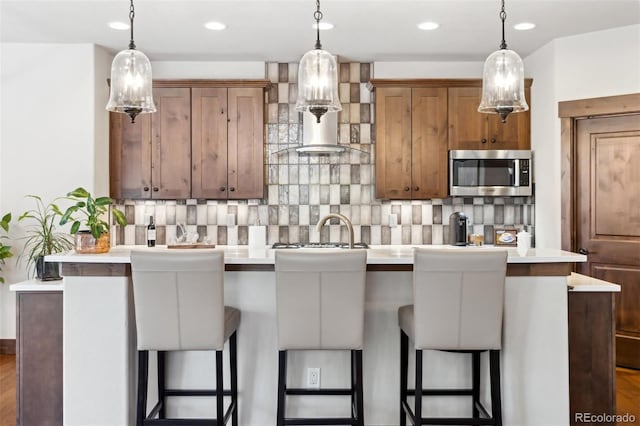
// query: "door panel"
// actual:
[[209, 143], [393, 144], [608, 217], [429, 175], [515, 133], [467, 127], [130, 156], [245, 144]]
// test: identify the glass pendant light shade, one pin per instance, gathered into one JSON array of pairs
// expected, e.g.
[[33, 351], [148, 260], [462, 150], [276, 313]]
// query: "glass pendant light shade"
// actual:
[[503, 84], [318, 83], [131, 84]]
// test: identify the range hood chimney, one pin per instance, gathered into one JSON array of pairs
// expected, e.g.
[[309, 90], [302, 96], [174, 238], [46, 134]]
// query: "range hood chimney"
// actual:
[[320, 138]]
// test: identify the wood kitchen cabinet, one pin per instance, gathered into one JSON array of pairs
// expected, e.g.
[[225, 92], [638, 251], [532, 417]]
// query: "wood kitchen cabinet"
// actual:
[[204, 141], [470, 129], [39, 358], [227, 148], [411, 143]]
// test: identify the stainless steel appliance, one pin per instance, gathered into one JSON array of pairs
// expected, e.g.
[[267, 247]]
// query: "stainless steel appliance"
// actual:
[[458, 229], [490, 172]]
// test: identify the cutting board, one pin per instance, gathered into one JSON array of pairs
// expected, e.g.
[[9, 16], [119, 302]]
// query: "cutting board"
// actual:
[[191, 246]]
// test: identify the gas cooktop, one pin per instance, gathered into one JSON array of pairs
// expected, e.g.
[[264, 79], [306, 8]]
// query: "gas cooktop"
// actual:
[[317, 245]]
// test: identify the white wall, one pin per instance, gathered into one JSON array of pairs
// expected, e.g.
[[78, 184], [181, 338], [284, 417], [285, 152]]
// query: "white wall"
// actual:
[[602, 63], [53, 137]]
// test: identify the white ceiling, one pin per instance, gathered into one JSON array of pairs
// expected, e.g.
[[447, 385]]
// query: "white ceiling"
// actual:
[[263, 30]]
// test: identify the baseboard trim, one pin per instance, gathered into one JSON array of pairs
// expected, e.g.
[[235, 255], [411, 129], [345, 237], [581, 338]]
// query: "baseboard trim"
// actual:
[[7, 346]]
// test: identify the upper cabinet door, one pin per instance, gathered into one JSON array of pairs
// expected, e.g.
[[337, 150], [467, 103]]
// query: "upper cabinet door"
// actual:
[[393, 143], [468, 129], [171, 154], [429, 175], [130, 156], [515, 133], [245, 165], [209, 143]]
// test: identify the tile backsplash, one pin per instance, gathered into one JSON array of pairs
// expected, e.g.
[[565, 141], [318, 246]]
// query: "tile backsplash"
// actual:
[[300, 189]]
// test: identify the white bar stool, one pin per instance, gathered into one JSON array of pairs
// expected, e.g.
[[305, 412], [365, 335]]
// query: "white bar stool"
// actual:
[[320, 305], [458, 304], [179, 306]]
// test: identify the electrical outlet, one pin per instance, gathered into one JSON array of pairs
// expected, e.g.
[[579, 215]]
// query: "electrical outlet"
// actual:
[[313, 378], [393, 220]]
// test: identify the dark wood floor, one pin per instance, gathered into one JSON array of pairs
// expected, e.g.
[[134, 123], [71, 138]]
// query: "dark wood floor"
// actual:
[[627, 395], [7, 390]]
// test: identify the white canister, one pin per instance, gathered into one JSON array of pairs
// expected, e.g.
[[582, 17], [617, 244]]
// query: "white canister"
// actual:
[[257, 241], [524, 242]]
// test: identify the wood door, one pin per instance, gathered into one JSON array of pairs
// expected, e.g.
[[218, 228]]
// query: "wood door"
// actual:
[[515, 133], [429, 175], [468, 129], [608, 218], [246, 143], [171, 152], [129, 156], [393, 143], [209, 143]]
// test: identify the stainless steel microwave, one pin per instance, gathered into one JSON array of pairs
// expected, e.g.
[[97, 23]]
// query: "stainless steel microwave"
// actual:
[[490, 173]]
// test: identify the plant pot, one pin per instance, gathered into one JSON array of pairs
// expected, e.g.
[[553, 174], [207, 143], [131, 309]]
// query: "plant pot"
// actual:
[[87, 244], [47, 271]]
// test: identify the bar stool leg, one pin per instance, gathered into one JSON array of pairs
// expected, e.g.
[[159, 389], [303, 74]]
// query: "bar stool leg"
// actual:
[[418, 404], [282, 385], [161, 384], [404, 367], [359, 389], [219, 390], [475, 387], [233, 370], [143, 378], [496, 401], [354, 385]]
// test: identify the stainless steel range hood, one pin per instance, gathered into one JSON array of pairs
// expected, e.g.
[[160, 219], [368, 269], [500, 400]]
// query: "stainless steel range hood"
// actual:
[[320, 138]]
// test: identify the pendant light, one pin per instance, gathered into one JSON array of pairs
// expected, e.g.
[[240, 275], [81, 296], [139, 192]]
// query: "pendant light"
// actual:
[[318, 78], [131, 84], [503, 81]]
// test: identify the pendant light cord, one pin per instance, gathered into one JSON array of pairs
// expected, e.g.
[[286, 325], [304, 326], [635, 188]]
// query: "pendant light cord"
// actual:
[[317, 15], [503, 17], [132, 14]]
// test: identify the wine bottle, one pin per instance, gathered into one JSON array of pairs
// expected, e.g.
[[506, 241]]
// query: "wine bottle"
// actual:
[[151, 233]]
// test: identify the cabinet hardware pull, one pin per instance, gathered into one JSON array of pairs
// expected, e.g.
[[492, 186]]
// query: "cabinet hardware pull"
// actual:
[[583, 251], [222, 188], [417, 188], [483, 140], [155, 189], [493, 140], [146, 188], [406, 188], [232, 189]]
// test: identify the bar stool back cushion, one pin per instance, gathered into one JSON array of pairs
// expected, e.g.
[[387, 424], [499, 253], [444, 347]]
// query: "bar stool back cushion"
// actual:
[[320, 298], [179, 300], [458, 298]]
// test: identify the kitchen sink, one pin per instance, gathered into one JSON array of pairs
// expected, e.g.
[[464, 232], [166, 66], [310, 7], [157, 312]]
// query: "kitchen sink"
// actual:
[[317, 245]]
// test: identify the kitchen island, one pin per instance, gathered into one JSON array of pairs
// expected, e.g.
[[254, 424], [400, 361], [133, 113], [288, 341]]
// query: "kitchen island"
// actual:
[[100, 363]]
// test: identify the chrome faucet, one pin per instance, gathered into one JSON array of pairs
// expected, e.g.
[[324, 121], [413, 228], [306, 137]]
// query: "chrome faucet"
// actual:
[[342, 218]]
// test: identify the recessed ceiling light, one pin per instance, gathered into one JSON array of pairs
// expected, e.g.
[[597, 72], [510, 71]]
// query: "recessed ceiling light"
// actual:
[[215, 26], [428, 26], [323, 26], [523, 26], [116, 25]]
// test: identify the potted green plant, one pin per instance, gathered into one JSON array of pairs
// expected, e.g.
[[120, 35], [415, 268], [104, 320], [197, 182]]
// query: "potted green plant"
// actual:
[[94, 239], [5, 251], [42, 239]]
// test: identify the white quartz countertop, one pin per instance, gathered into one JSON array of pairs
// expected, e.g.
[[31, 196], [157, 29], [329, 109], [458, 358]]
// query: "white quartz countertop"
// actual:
[[384, 255], [583, 283], [37, 285]]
